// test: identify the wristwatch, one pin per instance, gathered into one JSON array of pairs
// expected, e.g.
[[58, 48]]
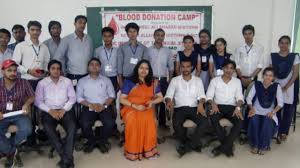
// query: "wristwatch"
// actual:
[[105, 106], [252, 78], [238, 108]]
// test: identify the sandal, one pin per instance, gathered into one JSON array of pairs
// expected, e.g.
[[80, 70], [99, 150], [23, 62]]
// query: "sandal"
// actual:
[[254, 151]]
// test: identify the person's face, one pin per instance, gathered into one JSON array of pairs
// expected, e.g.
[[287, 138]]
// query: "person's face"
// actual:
[[34, 32], [94, 67], [4, 39], [228, 70], [80, 25], [204, 39], [186, 68], [188, 44], [159, 37], [19, 35], [10, 73], [268, 77], [107, 37], [55, 31], [284, 44], [220, 46], [143, 70], [248, 35], [132, 34], [55, 71]]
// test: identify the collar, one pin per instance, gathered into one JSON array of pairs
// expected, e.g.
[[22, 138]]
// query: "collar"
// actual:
[[76, 37], [49, 80], [137, 43], [99, 76], [7, 51], [181, 77], [30, 43], [246, 45]]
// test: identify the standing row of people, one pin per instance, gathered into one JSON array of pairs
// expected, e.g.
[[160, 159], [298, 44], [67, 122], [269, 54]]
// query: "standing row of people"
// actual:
[[204, 74]]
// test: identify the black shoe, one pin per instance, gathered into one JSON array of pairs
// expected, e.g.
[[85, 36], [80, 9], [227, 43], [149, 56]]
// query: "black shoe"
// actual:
[[10, 162], [229, 154], [104, 147], [181, 150], [197, 149], [60, 163], [216, 152], [88, 148], [18, 161]]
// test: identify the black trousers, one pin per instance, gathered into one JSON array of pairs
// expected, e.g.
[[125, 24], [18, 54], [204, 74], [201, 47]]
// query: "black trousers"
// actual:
[[65, 150], [226, 111], [183, 113], [161, 108], [87, 120]]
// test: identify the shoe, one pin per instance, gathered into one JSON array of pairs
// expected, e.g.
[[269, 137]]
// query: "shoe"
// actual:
[[104, 147], [60, 163], [10, 162], [88, 148], [181, 150], [18, 161], [216, 152]]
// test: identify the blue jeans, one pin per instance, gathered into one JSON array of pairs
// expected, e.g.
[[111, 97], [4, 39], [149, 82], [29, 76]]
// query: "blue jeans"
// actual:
[[8, 145]]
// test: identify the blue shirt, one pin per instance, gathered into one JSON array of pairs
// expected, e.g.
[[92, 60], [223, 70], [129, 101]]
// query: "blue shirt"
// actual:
[[8, 53], [95, 91], [75, 53]]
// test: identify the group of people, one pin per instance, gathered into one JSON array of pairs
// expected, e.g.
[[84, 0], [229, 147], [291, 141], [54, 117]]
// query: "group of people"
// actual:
[[63, 75]]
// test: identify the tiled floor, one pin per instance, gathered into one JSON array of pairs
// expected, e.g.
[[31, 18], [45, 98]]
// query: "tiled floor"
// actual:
[[286, 155]]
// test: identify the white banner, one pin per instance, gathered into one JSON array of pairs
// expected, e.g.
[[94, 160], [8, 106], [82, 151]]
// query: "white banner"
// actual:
[[176, 24]]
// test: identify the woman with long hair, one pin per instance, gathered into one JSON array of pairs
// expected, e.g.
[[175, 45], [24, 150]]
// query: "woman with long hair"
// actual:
[[139, 95]]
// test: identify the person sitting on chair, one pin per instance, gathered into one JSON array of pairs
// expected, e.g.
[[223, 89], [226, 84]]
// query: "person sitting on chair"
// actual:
[[188, 92], [16, 94], [226, 98], [264, 100], [55, 97], [96, 94]]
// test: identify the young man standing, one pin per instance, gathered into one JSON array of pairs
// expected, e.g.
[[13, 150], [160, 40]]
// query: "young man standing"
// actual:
[[130, 53], [54, 28], [5, 52], [162, 62], [19, 34]]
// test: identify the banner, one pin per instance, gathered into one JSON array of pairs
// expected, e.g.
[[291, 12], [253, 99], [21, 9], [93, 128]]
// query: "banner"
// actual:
[[176, 24]]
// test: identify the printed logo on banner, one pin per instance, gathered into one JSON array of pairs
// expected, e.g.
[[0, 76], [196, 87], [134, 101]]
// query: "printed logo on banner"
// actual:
[[175, 23]]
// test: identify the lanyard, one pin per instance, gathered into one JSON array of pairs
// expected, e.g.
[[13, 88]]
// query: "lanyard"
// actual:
[[36, 52], [108, 58], [133, 50], [247, 51]]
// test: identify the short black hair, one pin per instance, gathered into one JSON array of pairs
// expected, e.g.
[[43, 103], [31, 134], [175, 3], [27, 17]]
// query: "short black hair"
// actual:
[[17, 26], [159, 30], [186, 60], [285, 37], [94, 59], [80, 17], [205, 31], [34, 23], [5, 31], [248, 28], [227, 62], [268, 69], [108, 29], [52, 62], [52, 23], [132, 25], [188, 37]]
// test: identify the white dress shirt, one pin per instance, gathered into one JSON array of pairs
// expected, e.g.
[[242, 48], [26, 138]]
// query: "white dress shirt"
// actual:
[[259, 110], [185, 93], [29, 56], [225, 93], [249, 58]]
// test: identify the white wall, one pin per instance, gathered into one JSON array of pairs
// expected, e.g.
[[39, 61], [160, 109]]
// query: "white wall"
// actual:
[[271, 18]]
